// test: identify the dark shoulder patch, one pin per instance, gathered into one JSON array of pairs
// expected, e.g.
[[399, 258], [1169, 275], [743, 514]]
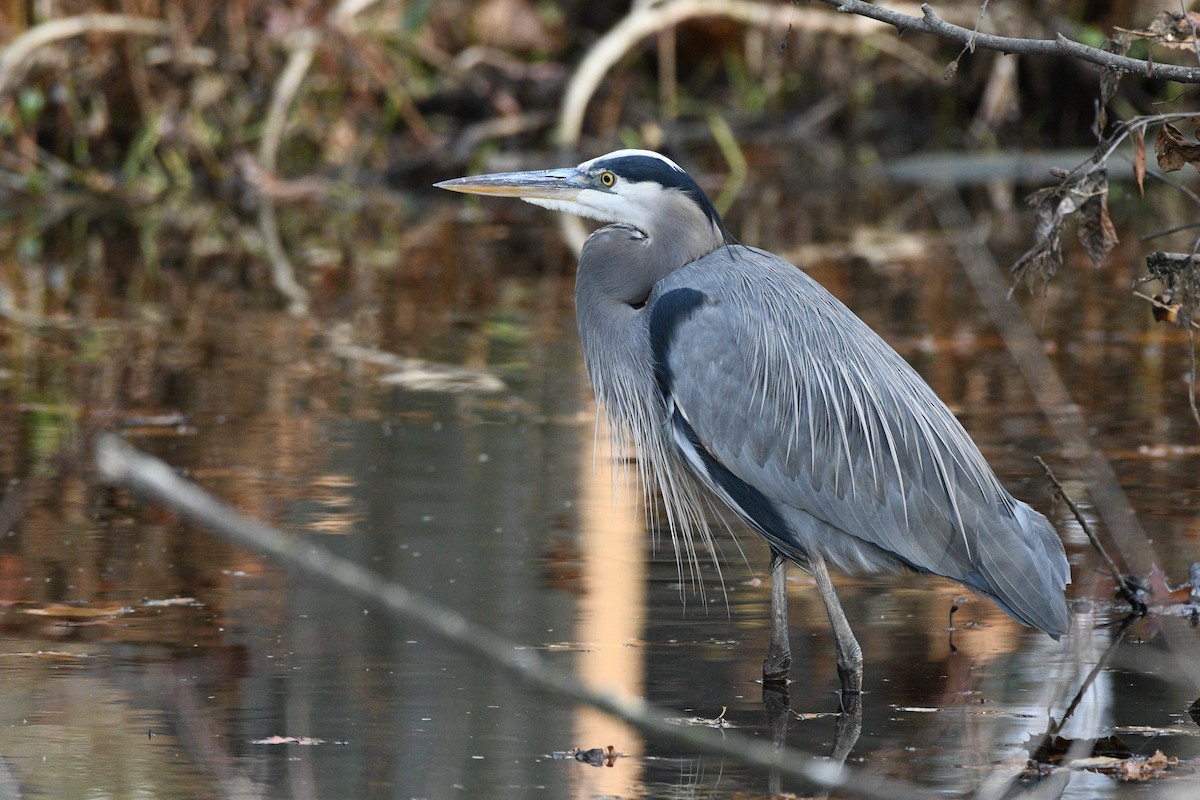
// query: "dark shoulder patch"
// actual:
[[670, 310]]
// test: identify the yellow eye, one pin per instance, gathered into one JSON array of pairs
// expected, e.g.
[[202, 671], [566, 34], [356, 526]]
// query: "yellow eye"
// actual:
[[607, 179]]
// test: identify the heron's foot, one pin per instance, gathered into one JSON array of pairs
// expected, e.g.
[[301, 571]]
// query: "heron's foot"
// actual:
[[851, 702], [776, 666], [851, 679]]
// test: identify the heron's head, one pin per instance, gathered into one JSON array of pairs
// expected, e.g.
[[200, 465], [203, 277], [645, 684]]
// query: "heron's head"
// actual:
[[638, 188]]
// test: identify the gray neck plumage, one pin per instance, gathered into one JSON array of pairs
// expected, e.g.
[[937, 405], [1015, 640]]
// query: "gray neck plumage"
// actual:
[[618, 268]]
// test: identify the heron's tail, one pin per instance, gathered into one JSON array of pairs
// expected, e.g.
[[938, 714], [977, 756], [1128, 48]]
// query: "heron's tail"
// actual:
[[1025, 571]]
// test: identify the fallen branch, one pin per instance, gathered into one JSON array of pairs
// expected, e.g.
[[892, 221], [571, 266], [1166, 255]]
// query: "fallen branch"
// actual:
[[119, 463], [934, 25]]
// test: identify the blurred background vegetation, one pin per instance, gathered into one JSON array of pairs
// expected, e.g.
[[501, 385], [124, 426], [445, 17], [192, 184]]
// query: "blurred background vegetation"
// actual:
[[132, 163], [176, 176], [165, 164]]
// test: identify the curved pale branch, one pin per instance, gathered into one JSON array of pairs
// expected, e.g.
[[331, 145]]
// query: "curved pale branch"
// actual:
[[304, 48], [15, 55], [645, 20], [931, 23]]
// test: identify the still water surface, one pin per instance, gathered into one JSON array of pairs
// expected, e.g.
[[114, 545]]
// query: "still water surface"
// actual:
[[144, 658]]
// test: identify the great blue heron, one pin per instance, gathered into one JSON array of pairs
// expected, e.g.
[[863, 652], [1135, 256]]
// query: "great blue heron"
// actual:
[[734, 373]]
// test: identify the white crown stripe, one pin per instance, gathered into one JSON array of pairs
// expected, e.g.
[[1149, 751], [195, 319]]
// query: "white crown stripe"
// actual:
[[623, 153]]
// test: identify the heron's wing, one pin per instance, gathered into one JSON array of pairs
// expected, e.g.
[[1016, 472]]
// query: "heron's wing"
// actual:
[[821, 435]]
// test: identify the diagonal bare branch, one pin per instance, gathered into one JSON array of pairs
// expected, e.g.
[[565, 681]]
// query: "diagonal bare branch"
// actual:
[[932, 24]]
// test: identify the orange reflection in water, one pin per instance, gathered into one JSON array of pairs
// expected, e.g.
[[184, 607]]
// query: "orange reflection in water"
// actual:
[[611, 613]]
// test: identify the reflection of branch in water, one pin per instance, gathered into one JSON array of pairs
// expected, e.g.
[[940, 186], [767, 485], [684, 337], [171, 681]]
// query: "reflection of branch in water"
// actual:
[[1054, 728], [200, 736], [1127, 586], [1037, 786], [1040, 780]]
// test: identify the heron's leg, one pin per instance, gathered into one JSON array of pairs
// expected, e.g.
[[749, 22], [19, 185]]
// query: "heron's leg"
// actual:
[[849, 654], [779, 653]]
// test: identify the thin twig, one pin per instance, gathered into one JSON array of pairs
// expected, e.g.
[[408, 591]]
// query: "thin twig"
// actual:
[[1124, 586], [1149, 237], [119, 463], [969, 45], [1192, 374], [931, 23]]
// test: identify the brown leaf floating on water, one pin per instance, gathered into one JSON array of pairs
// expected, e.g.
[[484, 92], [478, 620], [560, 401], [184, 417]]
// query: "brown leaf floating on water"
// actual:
[[62, 611]]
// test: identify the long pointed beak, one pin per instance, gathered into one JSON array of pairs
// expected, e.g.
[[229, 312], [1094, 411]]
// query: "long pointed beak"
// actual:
[[544, 184]]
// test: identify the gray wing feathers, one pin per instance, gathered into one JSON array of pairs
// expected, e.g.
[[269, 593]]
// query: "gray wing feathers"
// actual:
[[797, 397]]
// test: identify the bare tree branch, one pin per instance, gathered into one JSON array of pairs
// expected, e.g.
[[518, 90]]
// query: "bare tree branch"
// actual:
[[932, 24]]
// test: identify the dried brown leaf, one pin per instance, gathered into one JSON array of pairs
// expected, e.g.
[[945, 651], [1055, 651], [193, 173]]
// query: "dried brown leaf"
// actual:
[[1080, 191], [1042, 260], [1164, 309], [1173, 150], [1139, 769], [1096, 232]]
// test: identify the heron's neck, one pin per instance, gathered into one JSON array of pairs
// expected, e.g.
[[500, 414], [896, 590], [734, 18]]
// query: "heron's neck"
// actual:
[[620, 264]]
